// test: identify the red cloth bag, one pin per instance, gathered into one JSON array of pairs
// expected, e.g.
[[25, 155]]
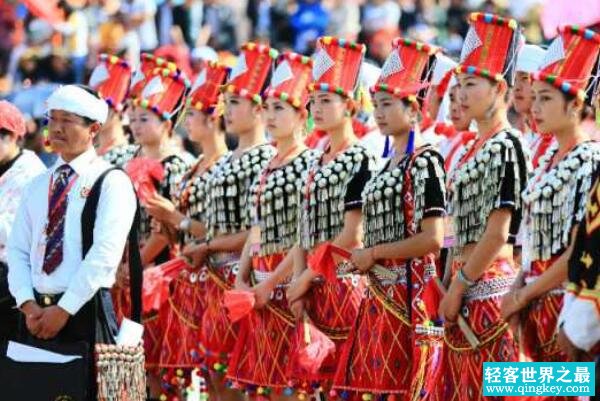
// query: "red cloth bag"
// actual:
[[316, 347], [145, 174], [156, 283]]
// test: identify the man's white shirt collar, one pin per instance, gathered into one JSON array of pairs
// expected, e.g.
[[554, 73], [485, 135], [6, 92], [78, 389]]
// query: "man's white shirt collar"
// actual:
[[80, 164]]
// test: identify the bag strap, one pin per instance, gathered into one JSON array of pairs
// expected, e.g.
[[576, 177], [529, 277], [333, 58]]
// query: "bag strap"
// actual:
[[88, 219]]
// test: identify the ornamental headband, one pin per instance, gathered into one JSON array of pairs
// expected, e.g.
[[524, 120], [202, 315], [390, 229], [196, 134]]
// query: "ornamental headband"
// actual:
[[251, 71], [336, 66], [76, 100], [111, 79], [290, 79], [569, 61], [490, 48], [164, 93], [407, 69]]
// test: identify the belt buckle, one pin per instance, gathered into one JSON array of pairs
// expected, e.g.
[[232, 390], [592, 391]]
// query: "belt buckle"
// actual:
[[46, 300]]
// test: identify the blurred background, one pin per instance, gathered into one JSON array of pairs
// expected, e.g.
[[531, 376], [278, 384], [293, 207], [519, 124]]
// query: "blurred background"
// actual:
[[44, 43]]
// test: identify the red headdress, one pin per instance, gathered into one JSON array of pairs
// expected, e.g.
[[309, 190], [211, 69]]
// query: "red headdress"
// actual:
[[570, 59], [111, 79], [336, 66], [490, 47], [290, 79], [163, 92], [148, 63], [250, 73], [205, 91], [406, 70]]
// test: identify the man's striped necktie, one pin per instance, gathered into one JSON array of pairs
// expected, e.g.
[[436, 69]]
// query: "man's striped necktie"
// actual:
[[57, 210]]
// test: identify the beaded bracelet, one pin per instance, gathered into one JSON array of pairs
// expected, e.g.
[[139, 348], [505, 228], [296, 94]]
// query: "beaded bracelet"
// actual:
[[462, 277]]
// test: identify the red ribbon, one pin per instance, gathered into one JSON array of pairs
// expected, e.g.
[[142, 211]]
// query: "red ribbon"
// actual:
[[322, 260]]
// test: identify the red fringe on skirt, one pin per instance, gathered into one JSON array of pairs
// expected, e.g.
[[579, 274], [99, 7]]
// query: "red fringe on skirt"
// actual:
[[180, 318]]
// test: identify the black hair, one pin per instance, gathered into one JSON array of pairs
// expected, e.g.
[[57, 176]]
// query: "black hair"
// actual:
[[5, 132], [64, 5], [593, 83], [511, 57], [222, 126], [88, 90], [425, 77], [569, 97], [180, 110]]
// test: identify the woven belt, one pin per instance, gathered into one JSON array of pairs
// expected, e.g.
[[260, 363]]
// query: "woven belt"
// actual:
[[260, 276], [485, 289], [221, 259]]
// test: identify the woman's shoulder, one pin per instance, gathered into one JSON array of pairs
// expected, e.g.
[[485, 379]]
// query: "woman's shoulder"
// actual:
[[29, 163]]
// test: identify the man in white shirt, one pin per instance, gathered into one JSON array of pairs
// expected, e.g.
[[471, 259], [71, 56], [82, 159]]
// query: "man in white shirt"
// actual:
[[53, 283]]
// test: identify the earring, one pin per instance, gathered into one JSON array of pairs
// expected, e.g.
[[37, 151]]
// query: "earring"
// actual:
[[347, 113], [410, 145], [387, 149]]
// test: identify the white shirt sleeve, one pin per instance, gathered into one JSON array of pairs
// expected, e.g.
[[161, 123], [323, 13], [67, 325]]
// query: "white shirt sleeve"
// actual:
[[581, 322], [6, 222], [114, 216], [18, 255]]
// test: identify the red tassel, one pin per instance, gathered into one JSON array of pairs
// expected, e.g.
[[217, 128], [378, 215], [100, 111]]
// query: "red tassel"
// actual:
[[238, 303], [145, 173], [317, 346]]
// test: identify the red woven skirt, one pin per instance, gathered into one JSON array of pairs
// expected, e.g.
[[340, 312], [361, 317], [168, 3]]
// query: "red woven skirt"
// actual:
[[481, 310], [384, 354], [261, 354], [217, 334], [538, 327], [180, 318], [333, 308]]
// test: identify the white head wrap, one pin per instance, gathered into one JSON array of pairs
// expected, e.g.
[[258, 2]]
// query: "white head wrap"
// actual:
[[530, 58], [76, 100], [204, 53], [369, 74], [443, 64]]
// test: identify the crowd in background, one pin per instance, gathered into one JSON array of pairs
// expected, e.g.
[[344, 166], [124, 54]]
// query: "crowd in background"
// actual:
[[43, 46]]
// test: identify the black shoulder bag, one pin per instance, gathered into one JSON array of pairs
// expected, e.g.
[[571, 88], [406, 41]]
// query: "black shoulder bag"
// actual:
[[119, 370]]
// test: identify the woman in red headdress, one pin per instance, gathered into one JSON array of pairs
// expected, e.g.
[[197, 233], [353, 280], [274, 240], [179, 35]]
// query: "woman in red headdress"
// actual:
[[555, 198], [111, 79], [259, 362], [395, 345], [324, 291], [182, 311], [485, 204], [157, 168], [228, 220], [528, 61], [461, 124]]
